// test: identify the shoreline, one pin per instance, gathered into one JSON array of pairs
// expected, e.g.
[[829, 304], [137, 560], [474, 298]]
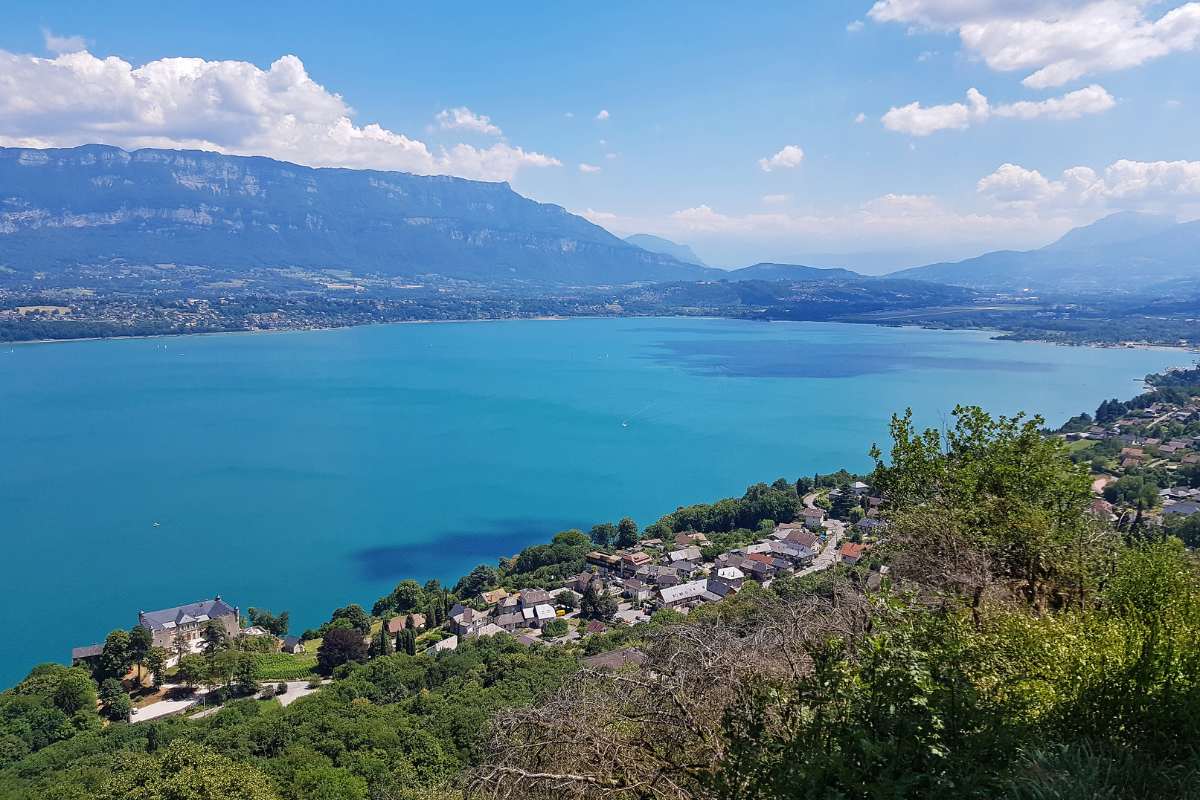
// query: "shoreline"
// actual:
[[995, 334]]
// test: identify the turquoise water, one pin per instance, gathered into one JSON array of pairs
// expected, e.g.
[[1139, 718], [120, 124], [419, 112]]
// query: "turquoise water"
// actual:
[[303, 471]]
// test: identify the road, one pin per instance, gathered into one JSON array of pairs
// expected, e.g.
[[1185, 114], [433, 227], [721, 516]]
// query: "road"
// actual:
[[829, 556], [164, 708]]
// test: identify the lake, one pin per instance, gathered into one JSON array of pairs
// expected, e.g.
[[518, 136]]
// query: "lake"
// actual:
[[304, 471]]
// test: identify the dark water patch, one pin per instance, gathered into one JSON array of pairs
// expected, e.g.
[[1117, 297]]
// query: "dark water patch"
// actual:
[[797, 359], [483, 544]]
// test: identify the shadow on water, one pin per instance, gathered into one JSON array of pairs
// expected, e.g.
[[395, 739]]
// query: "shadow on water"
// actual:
[[792, 359], [479, 545]]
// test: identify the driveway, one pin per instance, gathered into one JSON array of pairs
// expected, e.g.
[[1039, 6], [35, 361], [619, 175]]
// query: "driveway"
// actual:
[[164, 708]]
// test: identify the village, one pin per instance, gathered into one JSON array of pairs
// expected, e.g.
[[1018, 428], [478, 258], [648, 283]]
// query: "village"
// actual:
[[1145, 461]]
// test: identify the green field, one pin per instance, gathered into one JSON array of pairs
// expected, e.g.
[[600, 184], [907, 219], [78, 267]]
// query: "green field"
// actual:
[[284, 666]]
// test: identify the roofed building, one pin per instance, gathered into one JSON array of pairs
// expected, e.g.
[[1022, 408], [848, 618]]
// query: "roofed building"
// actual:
[[182, 627]]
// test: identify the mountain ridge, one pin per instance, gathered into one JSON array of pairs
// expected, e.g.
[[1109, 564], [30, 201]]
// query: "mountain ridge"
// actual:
[[96, 203], [1125, 251]]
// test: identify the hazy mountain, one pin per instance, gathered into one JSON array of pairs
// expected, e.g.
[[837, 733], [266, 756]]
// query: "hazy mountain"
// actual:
[[1124, 226], [790, 272], [657, 244], [1124, 252], [97, 203]]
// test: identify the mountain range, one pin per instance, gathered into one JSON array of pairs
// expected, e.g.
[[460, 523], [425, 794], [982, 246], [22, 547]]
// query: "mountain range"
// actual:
[[1127, 252], [657, 244], [96, 204]]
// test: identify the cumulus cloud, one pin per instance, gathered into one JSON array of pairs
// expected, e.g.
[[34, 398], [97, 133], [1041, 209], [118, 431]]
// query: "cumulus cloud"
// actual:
[[228, 106], [464, 119], [603, 114], [917, 120], [790, 157], [860, 118], [63, 44], [588, 168], [1054, 41], [1159, 185]]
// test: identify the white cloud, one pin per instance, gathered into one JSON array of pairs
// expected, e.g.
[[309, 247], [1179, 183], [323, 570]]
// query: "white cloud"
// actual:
[[1055, 41], [228, 106], [855, 26], [588, 168], [1173, 103], [917, 120], [860, 119], [789, 157], [775, 199], [598, 217], [464, 119], [1153, 185], [612, 156], [603, 114], [63, 44], [926, 55]]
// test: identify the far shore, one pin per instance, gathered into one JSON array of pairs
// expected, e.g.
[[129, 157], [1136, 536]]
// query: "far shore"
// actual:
[[996, 332]]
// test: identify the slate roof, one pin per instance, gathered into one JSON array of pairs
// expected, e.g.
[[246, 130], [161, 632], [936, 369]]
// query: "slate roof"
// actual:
[[171, 618], [290, 642], [87, 651]]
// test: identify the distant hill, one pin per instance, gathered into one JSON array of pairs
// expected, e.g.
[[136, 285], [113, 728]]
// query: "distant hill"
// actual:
[[95, 203], [1125, 252], [657, 244], [791, 272]]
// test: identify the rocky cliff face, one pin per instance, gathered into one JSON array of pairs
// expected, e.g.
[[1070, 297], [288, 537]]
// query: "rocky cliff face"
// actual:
[[97, 203]]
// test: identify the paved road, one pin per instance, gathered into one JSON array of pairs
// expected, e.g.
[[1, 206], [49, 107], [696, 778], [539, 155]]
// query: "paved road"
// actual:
[[163, 708], [829, 556]]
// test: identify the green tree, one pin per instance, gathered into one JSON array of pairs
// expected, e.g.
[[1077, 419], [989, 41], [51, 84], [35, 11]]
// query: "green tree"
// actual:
[[245, 676], [340, 646], [156, 663], [191, 670], [214, 636], [140, 642], [381, 643], [118, 708], [115, 659], [627, 532], [185, 771], [75, 692], [480, 579], [595, 604], [604, 535]]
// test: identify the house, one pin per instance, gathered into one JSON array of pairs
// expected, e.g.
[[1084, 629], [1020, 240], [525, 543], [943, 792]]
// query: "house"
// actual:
[[691, 553], [796, 554], [493, 597], [86, 656], [595, 626], [859, 488], [632, 562], [731, 576], [685, 569], [720, 588], [606, 562], [615, 659], [580, 582], [254, 630], [397, 624], [851, 553], [539, 615], [767, 561], [1184, 509], [511, 621], [803, 539], [293, 645], [181, 628], [530, 598], [491, 629], [466, 621], [636, 590], [444, 646], [690, 538], [684, 593]]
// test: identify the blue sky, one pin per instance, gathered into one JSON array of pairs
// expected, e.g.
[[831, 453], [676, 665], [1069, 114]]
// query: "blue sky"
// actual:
[[1091, 106]]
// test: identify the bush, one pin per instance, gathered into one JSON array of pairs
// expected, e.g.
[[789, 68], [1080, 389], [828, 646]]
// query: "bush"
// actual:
[[554, 628]]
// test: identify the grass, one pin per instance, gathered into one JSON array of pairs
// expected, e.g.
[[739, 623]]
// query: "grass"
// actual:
[[1080, 444], [284, 666]]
